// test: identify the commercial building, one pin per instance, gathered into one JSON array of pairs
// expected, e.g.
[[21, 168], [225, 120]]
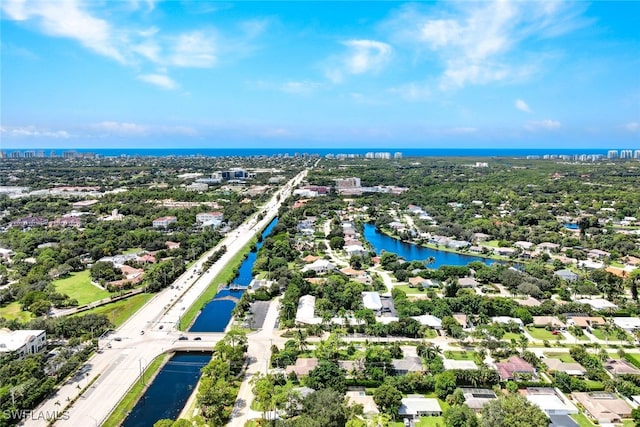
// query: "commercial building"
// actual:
[[164, 222], [22, 342]]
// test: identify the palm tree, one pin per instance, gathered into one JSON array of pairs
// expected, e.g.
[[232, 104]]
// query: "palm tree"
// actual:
[[524, 342], [300, 338]]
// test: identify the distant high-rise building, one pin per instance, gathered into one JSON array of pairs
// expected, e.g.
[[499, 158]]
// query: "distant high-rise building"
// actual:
[[29, 154], [3, 154], [53, 154], [369, 155], [40, 153], [397, 155], [612, 154], [69, 154], [626, 154], [16, 154], [636, 154]]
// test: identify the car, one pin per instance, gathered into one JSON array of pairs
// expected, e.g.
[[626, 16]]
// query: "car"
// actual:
[[161, 326], [117, 339], [197, 339], [141, 332], [182, 338], [555, 332]]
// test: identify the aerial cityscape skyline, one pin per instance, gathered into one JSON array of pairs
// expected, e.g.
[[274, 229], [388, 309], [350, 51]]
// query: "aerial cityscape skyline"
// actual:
[[299, 74]]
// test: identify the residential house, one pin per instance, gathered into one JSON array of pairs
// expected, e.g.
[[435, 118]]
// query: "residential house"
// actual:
[[320, 266], [419, 282], [598, 254], [303, 366], [505, 320], [66, 221], [570, 368], [415, 406], [603, 407], [468, 282], [463, 320], [357, 250], [514, 368], [523, 245], [371, 300], [172, 245], [429, 320], [406, 365], [22, 342], [6, 253], [620, 367], [359, 397], [463, 365], [306, 311], [550, 400], [629, 324], [29, 221], [164, 222], [476, 398], [480, 237], [458, 244], [554, 322], [504, 251], [598, 303], [583, 321], [567, 275]]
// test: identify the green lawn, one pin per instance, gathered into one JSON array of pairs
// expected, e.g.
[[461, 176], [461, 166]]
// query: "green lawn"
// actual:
[[582, 420], [127, 403], [491, 244], [459, 355], [511, 336], [594, 385], [565, 357], [78, 285], [13, 311], [118, 312], [542, 334], [424, 422], [581, 337], [633, 357], [410, 291], [602, 334], [430, 333], [132, 251]]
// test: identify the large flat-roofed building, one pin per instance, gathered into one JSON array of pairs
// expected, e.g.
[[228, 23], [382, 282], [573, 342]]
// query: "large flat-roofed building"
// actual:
[[22, 342], [164, 221]]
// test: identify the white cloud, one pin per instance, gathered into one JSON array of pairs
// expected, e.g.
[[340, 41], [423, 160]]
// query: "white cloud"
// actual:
[[413, 91], [300, 87], [160, 80], [522, 106], [543, 125], [195, 49], [363, 56], [121, 128], [481, 42], [632, 126], [33, 131], [67, 18]]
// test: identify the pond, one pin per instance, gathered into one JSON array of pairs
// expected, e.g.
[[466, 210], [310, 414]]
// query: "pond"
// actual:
[[409, 252]]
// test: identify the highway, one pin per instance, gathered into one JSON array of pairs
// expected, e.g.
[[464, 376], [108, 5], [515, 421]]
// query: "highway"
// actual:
[[127, 351]]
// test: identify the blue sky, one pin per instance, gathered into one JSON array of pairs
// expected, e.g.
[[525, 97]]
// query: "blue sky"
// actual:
[[107, 74]]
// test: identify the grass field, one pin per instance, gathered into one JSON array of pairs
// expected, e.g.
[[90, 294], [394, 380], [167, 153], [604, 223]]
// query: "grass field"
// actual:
[[459, 355], [565, 357], [511, 336], [634, 357], [78, 285], [225, 276], [602, 334], [582, 420], [132, 251], [581, 337], [118, 312], [543, 334], [424, 422], [131, 398], [430, 333], [13, 311], [410, 291]]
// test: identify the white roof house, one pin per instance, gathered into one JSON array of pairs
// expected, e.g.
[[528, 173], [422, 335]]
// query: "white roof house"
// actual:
[[598, 303], [550, 401], [306, 311], [371, 300], [463, 365], [355, 250], [506, 319], [627, 323], [320, 266], [429, 320], [415, 406]]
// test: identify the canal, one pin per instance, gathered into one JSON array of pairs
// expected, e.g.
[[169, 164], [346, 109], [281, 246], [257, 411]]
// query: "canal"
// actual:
[[381, 242], [215, 316], [175, 382], [170, 389]]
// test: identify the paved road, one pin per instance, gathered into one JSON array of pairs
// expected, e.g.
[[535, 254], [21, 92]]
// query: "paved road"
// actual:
[[117, 368]]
